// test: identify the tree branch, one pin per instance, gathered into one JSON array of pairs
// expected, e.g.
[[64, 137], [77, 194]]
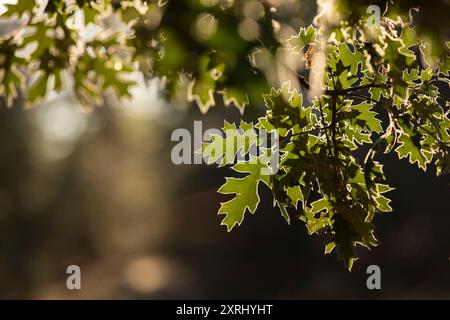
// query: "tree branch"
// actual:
[[341, 92]]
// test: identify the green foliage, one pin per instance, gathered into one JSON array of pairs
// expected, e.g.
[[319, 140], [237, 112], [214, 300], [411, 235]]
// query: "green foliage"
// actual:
[[245, 192], [303, 38], [181, 42], [322, 178], [369, 89]]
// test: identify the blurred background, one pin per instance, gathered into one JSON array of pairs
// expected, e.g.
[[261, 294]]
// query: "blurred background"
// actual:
[[98, 189]]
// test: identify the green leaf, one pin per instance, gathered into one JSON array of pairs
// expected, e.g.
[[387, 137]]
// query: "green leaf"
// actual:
[[305, 37], [286, 110], [235, 142], [202, 92], [350, 59], [366, 117], [318, 216], [410, 76], [41, 38], [237, 97], [245, 191], [343, 242], [21, 7], [202, 89], [295, 194], [410, 147], [13, 80], [38, 89], [90, 13]]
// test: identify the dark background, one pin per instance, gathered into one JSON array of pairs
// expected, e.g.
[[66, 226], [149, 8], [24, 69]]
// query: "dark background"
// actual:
[[141, 227]]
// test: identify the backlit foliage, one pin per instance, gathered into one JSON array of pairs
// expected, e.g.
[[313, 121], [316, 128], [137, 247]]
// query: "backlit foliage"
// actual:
[[363, 91]]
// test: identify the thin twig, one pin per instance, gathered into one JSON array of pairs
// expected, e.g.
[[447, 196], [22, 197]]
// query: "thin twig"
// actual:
[[330, 153], [341, 92]]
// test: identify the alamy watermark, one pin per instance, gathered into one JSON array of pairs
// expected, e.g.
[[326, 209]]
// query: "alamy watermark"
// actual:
[[233, 145], [373, 20], [73, 281], [373, 282]]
